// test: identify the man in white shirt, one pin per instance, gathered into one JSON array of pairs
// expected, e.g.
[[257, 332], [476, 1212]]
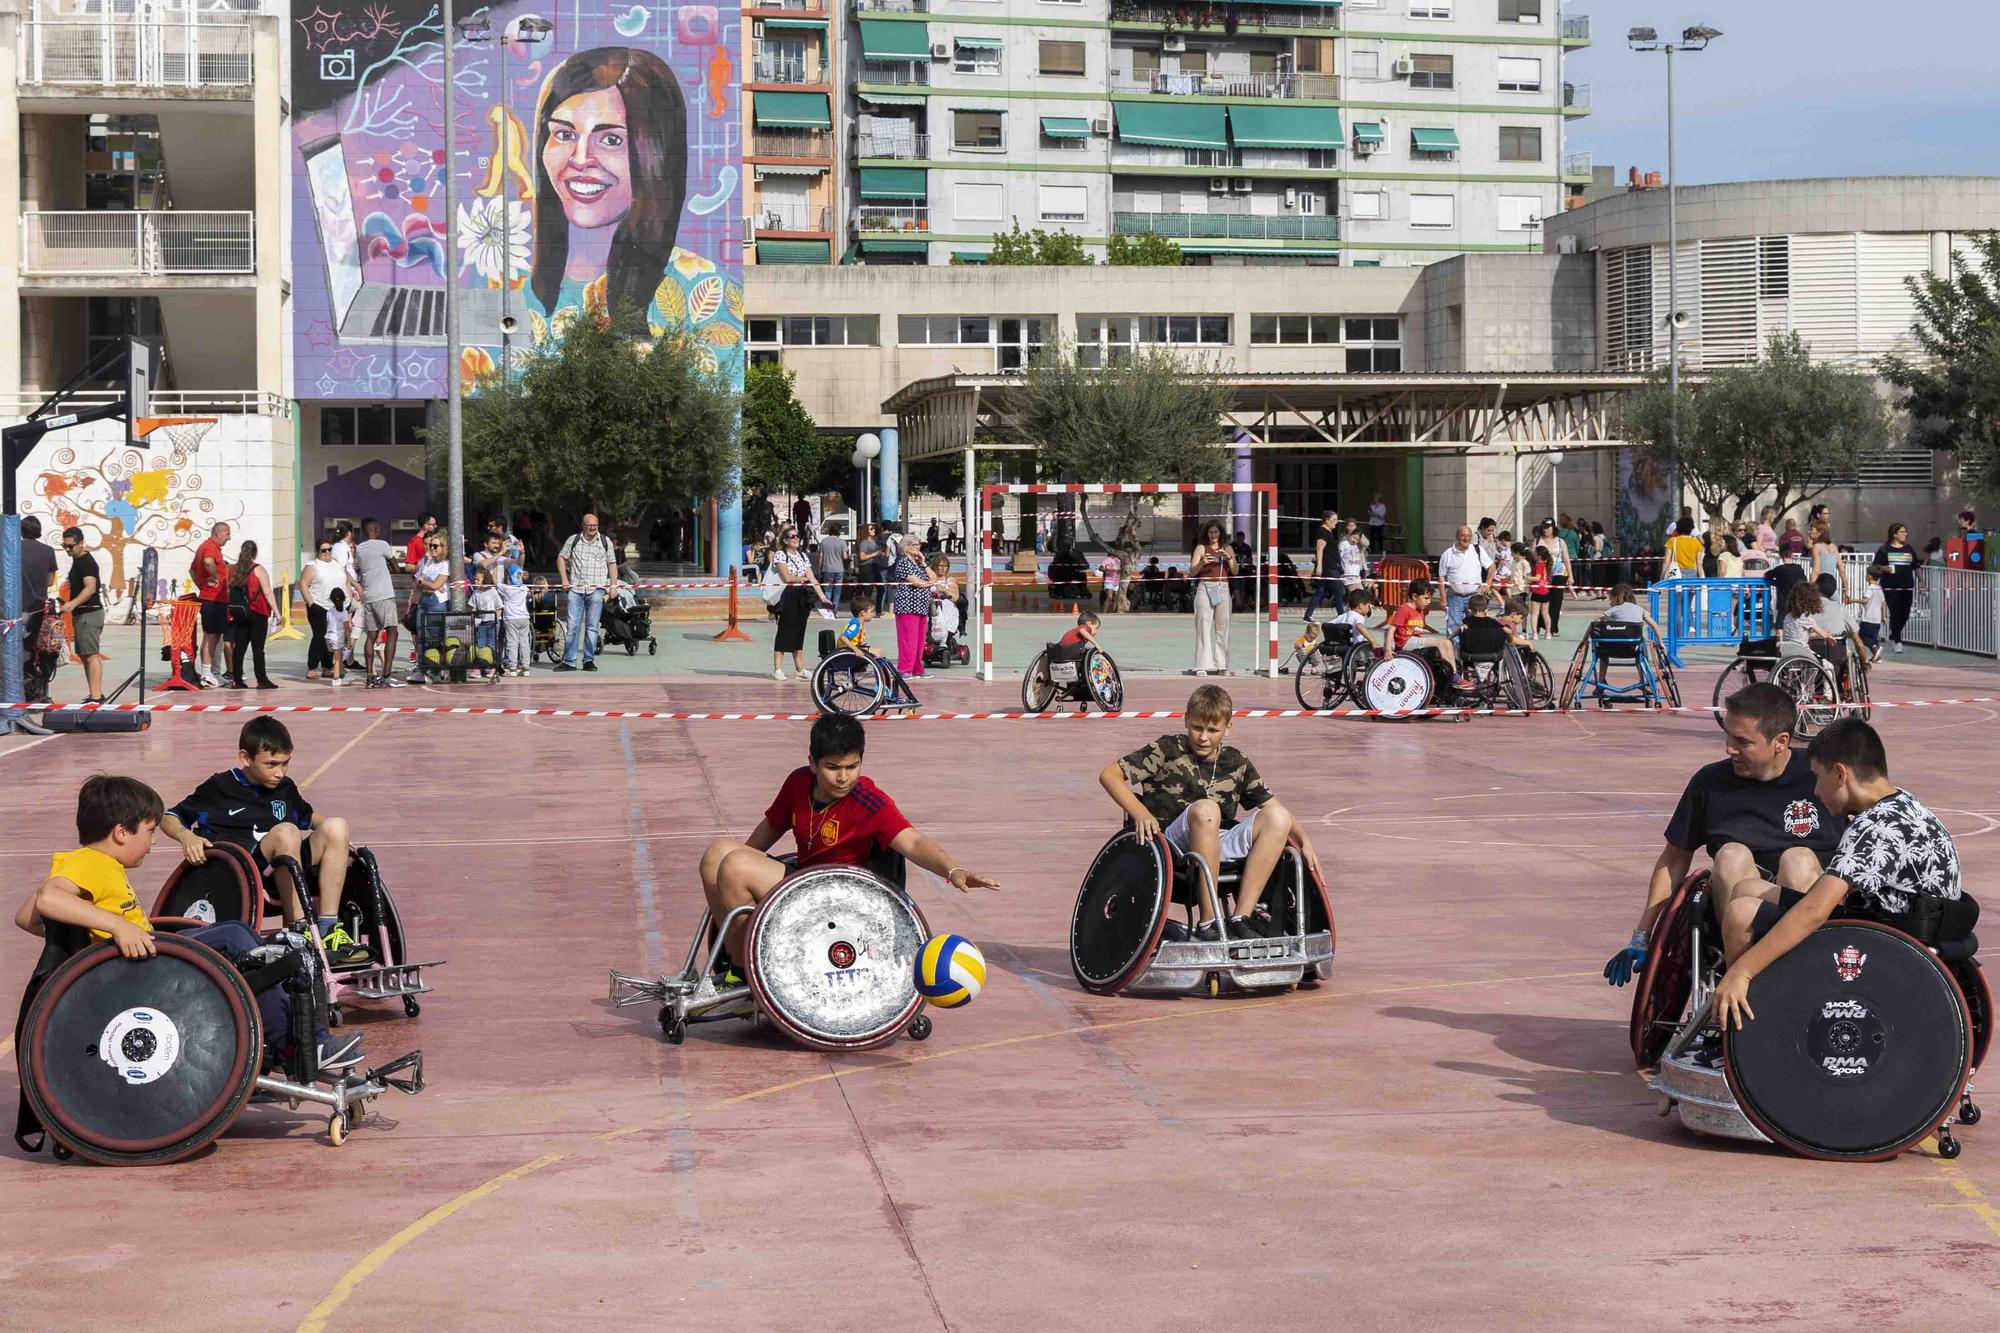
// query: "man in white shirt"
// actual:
[[587, 565], [1462, 569]]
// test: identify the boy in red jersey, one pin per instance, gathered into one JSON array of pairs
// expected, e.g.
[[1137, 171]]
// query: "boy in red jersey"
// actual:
[[835, 816]]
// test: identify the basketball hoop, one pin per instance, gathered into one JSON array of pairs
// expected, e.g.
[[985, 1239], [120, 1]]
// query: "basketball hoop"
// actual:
[[183, 435]]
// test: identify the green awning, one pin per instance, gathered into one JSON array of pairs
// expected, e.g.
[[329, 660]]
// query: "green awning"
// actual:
[[1173, 124], [971, 256], [771, 169], [892, 99], [886, 247], [1274, 126], [813, 25], [794, 252], [1368, 131], [893, 183], [1366, 263], [1286, 250], [888, 39], [793, 111], [1066, 127], [978, 43], [1434, 141]]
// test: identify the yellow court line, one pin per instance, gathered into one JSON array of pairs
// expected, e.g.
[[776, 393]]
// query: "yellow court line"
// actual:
[[6, 1048], [1975, 1199], [316, 1318], [341, 753]]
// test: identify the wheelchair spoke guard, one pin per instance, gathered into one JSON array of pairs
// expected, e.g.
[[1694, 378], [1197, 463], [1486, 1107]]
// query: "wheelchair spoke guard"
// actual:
[[225, 887], [1100, 677], [1399, 684], [1120, 911], [833, 953], [848, 682], [1660, 992]]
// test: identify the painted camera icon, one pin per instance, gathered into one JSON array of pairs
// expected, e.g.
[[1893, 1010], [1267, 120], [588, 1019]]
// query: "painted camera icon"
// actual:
[[337, 66]]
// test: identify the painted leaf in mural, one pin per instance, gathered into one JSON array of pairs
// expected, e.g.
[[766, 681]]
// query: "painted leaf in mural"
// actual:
[[722, 334], [672, 302], [704, 300]]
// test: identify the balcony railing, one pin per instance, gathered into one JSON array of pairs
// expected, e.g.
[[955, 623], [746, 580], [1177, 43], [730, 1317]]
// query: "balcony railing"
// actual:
[[892, 6], [893, 217], [150, 242], [1576, 27], [1249, 18], [165, 403], [791, 143], [1277, 86], [790, 6], [1576, 96], [769, 67], [1227, 226], [1576, 164], [175, 50], [877, 143], [795, 219], [895, 71]]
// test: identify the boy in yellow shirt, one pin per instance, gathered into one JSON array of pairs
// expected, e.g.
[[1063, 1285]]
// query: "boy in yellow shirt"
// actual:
[[117, 820]]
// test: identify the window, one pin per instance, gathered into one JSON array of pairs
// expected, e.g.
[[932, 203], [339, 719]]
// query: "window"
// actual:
[[1374, 345], [1364, 64], [1064, 58], [1021, 341], [1103, 339], [1430, 71], [1313, 55], [978, 131], [979, 203], [1520, 212], [1520, 74], [944, 330], [1145, 62], [376, 427], [819, 330], [976, 55], [1062, 203], [1520, 143], [1774, 266], [1520, 11], [1430, 9], [1367, 204], [1431, 210], [1295, 330], [1194, 62]]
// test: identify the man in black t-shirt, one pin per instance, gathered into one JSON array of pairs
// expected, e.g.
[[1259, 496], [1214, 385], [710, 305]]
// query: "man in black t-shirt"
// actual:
[[85, 608], [1754, 813]]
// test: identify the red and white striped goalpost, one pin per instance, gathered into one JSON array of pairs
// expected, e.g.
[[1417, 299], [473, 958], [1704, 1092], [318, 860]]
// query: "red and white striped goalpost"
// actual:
[[1263, 527]]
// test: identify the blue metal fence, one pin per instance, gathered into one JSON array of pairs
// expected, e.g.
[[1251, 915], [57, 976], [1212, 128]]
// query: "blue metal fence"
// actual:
[[1705, 611]]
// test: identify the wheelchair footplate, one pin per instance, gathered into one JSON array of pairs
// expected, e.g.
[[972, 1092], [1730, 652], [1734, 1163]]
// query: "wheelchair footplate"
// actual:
[[1186, 967], [1700, 1092], [375, 982], [684, 1000], [346, 1096]]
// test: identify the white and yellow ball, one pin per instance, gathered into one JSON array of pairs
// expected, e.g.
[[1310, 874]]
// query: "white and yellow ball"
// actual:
[[950, 971]]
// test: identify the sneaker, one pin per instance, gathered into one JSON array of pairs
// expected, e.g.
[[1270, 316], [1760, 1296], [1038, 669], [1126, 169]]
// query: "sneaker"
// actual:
[[342, 950], [338, 1053], [590, 666], [1207, 933], [393, 683], [1899, 647], [1174, 932], [337, 681], [777, 675], [562, 666], [1263, 923]]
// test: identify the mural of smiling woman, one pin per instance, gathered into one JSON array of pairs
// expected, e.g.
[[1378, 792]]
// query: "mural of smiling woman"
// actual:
[[610, 181]]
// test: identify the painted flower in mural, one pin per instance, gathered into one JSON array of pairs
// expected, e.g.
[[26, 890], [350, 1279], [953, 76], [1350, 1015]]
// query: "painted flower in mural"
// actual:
[[493, 233]]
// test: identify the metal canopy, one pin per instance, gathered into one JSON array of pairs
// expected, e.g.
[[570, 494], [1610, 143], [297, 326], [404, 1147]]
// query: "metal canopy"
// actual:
[[1360, 413]]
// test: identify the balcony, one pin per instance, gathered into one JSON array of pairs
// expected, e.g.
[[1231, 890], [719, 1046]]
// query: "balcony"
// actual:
[[1227, 226], [788, 6], [1576, 29], [893, 217], [895, 71], [181, 49], [769, 67], [903, 147], [165, 403], [1576, 99], [892, 6], [1248, 18], [801, 220], [791, 143], [1576, 164], [154, 243], [1280, 86]]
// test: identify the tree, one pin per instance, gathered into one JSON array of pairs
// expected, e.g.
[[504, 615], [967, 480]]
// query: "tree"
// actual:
[[1155, 416], [608, 414], [1953, 395], [782, 446], [1787, 427], [1148, 249], [1056, 249]]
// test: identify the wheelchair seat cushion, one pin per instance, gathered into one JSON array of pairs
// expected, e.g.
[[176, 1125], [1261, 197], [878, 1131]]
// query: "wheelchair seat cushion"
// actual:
[[1757, 648]]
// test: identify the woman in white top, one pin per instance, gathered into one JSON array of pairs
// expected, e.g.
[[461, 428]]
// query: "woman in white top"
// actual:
[[322, 574], [1822, 549]]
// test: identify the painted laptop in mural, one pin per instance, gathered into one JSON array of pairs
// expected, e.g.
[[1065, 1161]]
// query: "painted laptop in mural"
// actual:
[[599, 157]]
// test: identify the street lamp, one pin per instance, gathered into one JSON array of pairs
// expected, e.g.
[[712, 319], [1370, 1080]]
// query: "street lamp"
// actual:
[[1555, 494], [866, 447], [1695, 38]]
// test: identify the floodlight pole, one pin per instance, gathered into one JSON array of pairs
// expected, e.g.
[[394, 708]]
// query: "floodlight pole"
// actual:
[[454, 397]]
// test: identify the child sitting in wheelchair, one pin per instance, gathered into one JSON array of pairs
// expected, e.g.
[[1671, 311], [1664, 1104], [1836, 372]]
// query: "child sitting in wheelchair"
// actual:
[[117, 819], [1353, 622], [835, 816], [1084, 631], [1409, 631], [1189, 789]]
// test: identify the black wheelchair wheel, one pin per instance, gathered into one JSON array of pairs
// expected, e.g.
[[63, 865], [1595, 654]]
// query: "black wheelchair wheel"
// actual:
[[1317, 682], [1101, 679], [186, 1046], [1666, 979], [849, 683], [1971, 978], [226, 886], [369, 913], [1670, 686], [1573, 678], [1810, 682], [1860, 1048], [1743, 671], [1541, 682], [1355, 665], [1037, 690], [1120, 911], [1516, 691], [1857, 682]]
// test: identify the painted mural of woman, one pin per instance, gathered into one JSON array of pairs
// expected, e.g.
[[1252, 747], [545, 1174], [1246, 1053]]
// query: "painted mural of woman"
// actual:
[[610, 183]]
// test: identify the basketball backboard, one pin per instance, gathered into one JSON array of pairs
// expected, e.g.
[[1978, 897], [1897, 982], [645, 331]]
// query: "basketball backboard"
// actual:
[[142, 367]]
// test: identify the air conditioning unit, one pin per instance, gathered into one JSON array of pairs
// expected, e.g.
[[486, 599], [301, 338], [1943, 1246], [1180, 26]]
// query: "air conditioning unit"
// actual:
[[1403, 68], [1291, 197], [1173, 44], [1102, 125], [1218, 185], [1242, 185], [1364, 147], [940, 50]]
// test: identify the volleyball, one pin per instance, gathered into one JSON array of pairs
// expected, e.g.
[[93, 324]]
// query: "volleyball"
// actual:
[[950, 971]]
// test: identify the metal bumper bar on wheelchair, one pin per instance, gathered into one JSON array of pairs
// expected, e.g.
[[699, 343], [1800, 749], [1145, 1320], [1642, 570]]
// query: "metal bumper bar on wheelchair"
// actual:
[[346, 1096], [1252, 961], [384, 983], [692, 994]]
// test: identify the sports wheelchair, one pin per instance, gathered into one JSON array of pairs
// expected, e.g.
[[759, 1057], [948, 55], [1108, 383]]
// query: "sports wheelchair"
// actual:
[[1078, 673], [1516, 678], [856, 683], [1620, 643], [1824, 685], [1332, 670], [1866, 1037], [136, 1062], [1120, 938], [830, 962], [231, 886]]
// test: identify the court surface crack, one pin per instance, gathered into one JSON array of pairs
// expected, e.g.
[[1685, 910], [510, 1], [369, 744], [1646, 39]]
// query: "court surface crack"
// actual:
[[889, 1204]]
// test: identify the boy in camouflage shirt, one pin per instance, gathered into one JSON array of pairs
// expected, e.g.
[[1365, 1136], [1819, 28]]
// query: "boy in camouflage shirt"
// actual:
[[1190, 790]]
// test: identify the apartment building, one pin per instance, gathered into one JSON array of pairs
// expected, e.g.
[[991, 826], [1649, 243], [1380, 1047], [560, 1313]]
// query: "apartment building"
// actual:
[[1370, 133], [144, 190], [793, 188]]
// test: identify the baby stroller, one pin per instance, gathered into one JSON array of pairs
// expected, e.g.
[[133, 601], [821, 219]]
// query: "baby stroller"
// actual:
[[946, 646], [628, 622]]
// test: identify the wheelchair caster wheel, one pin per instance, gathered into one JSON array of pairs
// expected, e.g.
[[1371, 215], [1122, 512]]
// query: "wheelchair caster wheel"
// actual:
[[333, 1019], [652, 649], [1948, 1146], [675, 1028], [61, 1153], [1214, 985], [336, 1129], [1968, 1112], [410, 1006], [920, 1027]]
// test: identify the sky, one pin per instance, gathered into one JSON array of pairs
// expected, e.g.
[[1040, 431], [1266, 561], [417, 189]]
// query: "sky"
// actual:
[[1795, 88]]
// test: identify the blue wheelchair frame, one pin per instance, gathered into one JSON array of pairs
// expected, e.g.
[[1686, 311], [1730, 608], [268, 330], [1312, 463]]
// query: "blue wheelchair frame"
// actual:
[[1621, 643]]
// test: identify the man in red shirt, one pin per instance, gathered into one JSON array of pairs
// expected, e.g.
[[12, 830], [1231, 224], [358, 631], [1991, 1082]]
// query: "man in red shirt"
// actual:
[[210, 572], [835, 816], [413, 554]]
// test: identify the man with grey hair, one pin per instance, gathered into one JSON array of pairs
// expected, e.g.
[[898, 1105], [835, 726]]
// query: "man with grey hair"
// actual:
[[587, 566], [1462, 569]]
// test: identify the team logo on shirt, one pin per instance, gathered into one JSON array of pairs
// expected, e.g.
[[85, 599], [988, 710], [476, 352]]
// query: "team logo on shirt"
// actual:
[[1848, 963], [829, 833], [278, 811], [1801, 818]]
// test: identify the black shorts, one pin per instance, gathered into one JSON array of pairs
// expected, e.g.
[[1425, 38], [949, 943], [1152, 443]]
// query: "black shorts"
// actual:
[[306, 857], [1770, 913], [215, 617]]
